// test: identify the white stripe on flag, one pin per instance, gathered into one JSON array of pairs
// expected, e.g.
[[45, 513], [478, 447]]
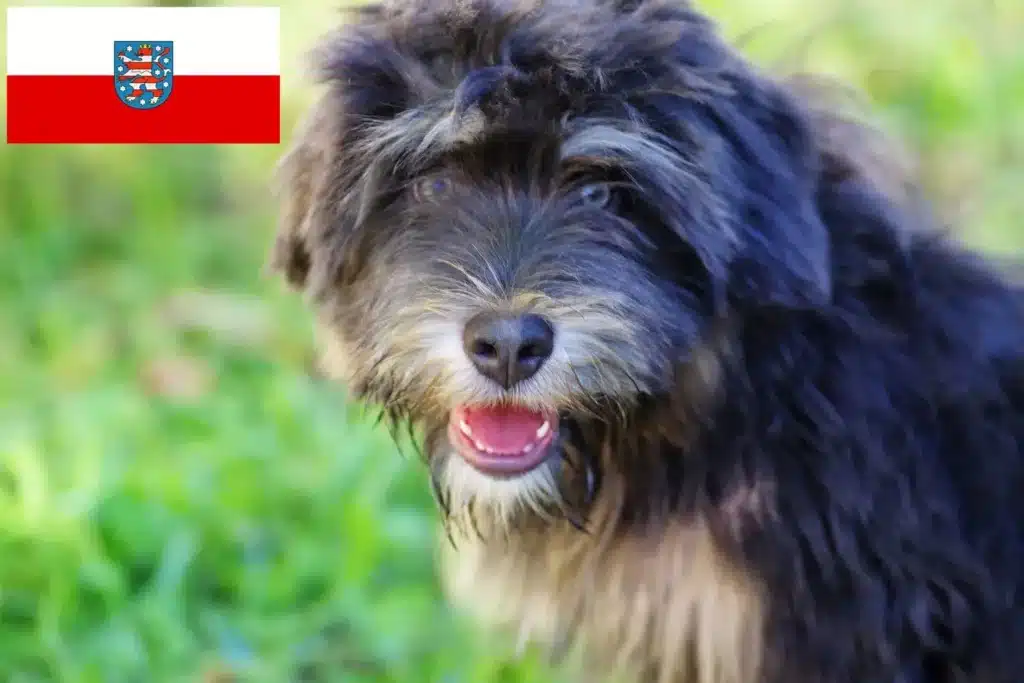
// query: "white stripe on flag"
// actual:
[[226, 41]]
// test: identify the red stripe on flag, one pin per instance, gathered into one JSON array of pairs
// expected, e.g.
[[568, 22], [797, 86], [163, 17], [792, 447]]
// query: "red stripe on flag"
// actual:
[[198, 110]]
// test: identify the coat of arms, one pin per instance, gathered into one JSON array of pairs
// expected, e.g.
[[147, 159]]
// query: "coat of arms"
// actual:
[[143, 72]]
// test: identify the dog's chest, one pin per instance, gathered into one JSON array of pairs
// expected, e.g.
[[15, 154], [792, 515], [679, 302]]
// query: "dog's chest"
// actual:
[[669, 610]]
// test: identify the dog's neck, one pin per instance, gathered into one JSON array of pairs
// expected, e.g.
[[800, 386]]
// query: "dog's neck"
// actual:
[[615, 596]]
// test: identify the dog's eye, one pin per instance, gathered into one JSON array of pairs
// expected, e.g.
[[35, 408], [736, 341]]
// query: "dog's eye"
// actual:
[[595, 195], [431, 188]]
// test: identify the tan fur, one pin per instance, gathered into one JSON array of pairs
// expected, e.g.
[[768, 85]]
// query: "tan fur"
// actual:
[[664, 608], [423, 344]]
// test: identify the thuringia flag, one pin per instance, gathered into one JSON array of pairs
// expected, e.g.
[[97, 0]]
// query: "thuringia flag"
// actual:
[[143, 75]]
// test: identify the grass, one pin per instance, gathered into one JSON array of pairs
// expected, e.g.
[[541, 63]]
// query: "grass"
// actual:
[[182, 500]]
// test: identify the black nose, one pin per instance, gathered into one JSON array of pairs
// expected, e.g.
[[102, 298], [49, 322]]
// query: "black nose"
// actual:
[[508, 348]]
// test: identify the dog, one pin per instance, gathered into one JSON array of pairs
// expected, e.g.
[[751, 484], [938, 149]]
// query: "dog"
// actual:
[[705, 392]]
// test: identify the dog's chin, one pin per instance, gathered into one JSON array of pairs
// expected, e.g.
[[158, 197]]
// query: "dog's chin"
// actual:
[[503, 459]]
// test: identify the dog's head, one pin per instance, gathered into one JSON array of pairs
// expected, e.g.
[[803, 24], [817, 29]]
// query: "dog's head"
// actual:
[[517, 218]]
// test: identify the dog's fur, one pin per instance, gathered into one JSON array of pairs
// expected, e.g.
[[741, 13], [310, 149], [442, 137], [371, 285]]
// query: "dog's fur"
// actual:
[[792, 413]]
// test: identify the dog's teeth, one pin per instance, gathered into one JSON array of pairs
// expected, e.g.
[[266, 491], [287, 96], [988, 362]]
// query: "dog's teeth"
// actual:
[[527, 449], [464, 428], [543, 430]]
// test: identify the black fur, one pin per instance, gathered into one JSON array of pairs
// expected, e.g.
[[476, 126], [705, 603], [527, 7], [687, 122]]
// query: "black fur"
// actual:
[[861, 448]]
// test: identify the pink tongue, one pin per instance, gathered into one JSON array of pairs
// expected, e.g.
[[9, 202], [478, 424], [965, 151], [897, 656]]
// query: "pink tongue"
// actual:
[[506, 429]]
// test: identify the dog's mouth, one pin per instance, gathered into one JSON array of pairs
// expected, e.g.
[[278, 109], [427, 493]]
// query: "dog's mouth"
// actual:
[[502, 440]]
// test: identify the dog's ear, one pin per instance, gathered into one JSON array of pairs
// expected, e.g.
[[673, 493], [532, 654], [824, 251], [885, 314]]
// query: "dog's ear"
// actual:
[[784, 246], [298, 177], [345, 151]]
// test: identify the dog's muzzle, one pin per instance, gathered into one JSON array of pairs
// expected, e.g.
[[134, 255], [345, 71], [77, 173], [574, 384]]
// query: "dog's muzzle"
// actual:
[[505, 439]]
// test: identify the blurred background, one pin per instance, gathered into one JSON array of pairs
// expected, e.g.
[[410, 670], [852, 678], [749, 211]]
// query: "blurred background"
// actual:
[[183, 499]]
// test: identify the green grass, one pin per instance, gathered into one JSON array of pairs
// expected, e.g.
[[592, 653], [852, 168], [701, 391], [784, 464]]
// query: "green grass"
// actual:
[[181, 498]]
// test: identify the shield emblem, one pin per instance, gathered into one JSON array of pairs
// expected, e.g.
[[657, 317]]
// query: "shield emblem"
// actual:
[[143, 72]]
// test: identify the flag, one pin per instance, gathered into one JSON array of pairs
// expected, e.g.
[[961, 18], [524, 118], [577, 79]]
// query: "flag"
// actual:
[[143, 75]]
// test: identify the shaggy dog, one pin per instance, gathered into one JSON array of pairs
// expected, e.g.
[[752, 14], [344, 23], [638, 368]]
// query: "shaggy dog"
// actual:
[[701, 393]]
